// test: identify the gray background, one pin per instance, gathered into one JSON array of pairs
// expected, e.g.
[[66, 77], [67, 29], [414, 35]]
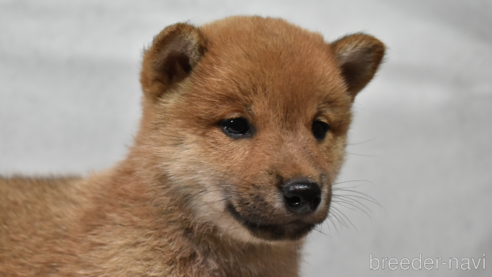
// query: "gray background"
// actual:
[[420, 144]]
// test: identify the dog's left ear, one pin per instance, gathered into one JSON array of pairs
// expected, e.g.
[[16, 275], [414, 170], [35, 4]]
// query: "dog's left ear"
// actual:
[[171, 58], [358, 57]]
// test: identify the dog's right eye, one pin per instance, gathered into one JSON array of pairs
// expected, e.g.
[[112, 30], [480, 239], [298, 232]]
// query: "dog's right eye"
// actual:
[[320, 129], [236, 127]]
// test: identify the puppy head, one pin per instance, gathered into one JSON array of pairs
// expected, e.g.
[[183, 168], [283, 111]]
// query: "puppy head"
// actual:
[[247, 119]]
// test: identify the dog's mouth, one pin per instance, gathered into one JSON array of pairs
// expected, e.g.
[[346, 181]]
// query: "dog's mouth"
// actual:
[[293, 230]]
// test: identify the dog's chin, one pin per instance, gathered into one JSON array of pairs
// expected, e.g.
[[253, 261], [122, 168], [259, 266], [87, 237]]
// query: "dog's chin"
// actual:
[[292, 231]]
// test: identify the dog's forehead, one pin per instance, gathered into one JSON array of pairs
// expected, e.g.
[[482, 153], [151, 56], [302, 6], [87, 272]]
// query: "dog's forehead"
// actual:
[[253, 60], [267, 46]]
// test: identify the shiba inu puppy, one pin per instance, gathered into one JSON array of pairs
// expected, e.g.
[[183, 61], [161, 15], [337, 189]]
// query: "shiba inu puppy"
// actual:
[[242, 135]]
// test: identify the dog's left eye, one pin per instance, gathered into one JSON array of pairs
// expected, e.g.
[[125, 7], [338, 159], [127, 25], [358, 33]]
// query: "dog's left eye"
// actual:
[[236, 127], [319, 129]]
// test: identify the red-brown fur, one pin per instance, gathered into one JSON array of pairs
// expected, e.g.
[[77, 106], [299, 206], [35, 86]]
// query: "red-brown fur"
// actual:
[[162, 210]]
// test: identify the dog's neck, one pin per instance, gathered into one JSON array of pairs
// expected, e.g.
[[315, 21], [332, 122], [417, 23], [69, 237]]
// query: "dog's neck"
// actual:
[[156, 222]]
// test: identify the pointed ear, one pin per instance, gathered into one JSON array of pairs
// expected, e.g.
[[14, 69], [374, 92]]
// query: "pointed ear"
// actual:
[[358, 57], [173, 55]]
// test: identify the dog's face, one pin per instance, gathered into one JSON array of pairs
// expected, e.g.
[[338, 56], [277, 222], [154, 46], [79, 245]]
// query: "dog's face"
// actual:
[[248, 118]]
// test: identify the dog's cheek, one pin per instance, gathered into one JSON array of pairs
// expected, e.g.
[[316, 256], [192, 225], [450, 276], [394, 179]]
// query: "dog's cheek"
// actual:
[[181, 160], [210, 172], [331, 152]]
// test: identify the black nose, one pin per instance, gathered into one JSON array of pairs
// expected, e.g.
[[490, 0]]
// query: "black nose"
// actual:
[[301, 197]]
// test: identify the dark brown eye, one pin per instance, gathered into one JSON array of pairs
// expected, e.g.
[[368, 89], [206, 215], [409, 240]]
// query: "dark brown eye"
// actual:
[[236, 127], [320, 129]]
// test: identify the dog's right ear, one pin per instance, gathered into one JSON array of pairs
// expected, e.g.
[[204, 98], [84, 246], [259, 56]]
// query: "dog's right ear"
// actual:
[[173, 55], [358, 56]]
